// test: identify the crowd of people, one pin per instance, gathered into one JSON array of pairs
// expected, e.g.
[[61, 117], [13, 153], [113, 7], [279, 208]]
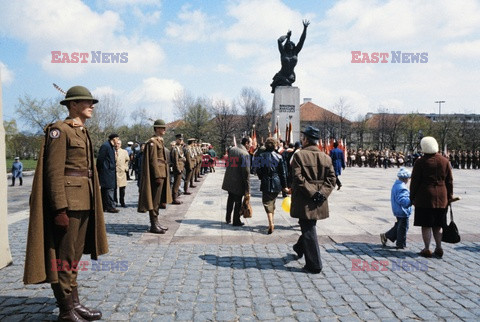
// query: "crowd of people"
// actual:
[[70, 192], [460, 159]]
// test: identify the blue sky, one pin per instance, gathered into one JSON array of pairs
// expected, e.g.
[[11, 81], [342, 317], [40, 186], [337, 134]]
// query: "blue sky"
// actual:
[[215, 48]]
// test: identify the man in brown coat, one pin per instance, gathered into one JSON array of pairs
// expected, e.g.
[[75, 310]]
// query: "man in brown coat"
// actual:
[[178, 164], [155, 182], [237, 180], [189, 166], [313, 181], [66, 215]]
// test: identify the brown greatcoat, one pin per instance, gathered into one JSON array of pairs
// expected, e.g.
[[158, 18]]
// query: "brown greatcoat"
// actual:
[[312, 171], [52, 190], [432, 182], [237, 174], [190, 158], [155, 165], [178, 159]]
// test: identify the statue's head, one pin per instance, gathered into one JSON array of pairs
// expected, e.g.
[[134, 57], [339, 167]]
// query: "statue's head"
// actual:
[[289, 46]]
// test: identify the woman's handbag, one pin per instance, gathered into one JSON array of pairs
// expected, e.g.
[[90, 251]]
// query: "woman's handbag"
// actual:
[[246, 209], [450, 232]]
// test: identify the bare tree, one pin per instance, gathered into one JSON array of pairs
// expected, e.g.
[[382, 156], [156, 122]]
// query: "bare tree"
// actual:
[[107, 116], [38, 113], [226, 122], [183, 101], [252, 105], [343, 110], [413, 125]]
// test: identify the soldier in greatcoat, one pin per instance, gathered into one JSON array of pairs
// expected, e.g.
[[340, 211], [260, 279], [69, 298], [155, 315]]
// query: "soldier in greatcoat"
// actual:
[[66, 214], [189, 166], [155, 181], [178, 164]]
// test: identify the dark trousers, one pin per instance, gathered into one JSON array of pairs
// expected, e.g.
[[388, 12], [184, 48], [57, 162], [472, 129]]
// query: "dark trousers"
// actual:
[[308, 244], [234, 202], [188, 179], [19, 179], [177, 179], [108, 198], [68, 250], [121, 191], [337, 181], [398, 232]]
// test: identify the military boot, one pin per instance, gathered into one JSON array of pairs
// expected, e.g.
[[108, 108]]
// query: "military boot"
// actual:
[[83, 311], [155, 226], [67, 311]]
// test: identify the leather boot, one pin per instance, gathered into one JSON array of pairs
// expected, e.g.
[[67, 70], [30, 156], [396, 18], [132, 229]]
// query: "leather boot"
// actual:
[[154, 225], [67, 311], [83, 311], [270, 223]]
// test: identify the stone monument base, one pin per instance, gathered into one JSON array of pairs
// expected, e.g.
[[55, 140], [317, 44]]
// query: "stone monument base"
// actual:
[[285, 109]]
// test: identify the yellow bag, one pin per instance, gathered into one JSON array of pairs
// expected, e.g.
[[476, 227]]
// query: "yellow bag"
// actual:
[[287, 201]]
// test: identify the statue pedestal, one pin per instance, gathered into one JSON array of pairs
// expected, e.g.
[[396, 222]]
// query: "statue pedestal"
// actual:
[[285, 109], [5, 256]]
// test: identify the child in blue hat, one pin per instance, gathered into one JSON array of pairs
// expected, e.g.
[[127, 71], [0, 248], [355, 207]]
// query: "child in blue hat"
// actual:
[[402, 209]]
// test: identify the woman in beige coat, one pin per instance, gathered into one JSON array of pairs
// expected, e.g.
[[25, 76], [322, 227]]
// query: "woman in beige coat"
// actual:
[[122, 159]]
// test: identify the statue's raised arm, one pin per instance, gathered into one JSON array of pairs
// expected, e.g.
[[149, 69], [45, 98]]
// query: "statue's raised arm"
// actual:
[[288, 57]]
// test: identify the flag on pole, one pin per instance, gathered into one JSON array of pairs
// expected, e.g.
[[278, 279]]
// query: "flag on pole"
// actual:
[[345, 150], [320, 145], [287, 140], [290, 132], [445, 150], [234, 141], [254, 140]]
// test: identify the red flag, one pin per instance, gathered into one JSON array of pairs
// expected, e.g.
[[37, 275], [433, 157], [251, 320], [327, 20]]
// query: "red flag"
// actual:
[[234, 141], [254, 140], [320, 145]]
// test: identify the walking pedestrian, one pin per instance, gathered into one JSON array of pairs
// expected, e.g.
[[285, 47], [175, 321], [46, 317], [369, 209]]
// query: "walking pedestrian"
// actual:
[[17, 171], [122, 171], [273, 177], [338, 161], [237, 180], [401, 208], [313, 181]]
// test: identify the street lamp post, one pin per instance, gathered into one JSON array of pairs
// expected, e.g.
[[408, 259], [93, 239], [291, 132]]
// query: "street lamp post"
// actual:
[[439, 106]]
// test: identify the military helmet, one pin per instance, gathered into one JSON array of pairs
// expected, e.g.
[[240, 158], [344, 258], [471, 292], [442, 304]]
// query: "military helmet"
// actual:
[[159, 123], [78, 93]]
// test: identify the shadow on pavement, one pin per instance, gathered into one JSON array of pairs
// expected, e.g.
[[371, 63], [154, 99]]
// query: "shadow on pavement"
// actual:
[[21, 308], [214, 224], [374, 250], [126, 229], [244, 262], [474, 249]]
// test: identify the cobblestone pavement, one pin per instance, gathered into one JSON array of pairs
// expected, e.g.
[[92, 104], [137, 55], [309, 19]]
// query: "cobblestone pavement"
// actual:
[[205, 270]]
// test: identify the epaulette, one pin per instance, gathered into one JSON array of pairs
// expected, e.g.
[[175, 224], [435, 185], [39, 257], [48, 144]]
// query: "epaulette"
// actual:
[[72, 123]]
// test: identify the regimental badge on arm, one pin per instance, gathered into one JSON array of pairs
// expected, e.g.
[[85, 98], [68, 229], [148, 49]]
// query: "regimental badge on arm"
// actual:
[[55, 133]]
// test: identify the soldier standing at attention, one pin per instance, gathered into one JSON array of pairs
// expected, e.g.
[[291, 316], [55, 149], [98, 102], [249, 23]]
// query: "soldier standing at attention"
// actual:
[[178, 161], [155, 180], [189, 166], [66, 215]]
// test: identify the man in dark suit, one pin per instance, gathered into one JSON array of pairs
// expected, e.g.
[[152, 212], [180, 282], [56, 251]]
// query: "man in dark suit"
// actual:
[[237, 180], [106, 167], [313, 181], [338, 160]]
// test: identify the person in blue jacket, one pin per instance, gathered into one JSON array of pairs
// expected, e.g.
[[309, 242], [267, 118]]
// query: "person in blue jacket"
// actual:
[[338, 161], [17, 168], [402, 209]]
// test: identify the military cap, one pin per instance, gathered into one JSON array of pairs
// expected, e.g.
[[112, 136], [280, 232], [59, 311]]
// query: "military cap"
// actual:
[[312, 132], [191, 140], [16, 158], [159, 123], [179, 136], [78, 93], [130, 143]]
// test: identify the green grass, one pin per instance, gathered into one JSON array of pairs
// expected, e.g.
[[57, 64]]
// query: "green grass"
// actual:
[[27, 165]]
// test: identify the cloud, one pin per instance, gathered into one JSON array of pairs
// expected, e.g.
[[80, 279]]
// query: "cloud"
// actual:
[[6, 74], [156, 96], [52, 25], [465, 49], [195, 26]]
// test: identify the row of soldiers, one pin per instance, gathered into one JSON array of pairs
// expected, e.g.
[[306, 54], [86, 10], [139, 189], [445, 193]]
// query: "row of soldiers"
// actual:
[[462, 159]]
